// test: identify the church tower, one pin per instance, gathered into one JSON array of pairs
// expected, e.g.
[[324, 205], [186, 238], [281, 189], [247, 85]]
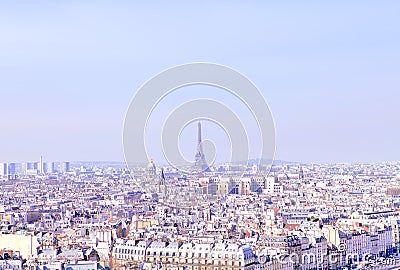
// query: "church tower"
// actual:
[[151, 169], [301, 173], [161, 182]]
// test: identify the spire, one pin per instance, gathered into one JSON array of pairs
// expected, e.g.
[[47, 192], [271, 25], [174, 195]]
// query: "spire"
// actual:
[[161, 182], [162, 177], [301, 173], [199, 133], [200, 159]]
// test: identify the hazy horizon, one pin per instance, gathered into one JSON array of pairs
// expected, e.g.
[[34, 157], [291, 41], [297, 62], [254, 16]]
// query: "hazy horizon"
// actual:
[[328, 71]]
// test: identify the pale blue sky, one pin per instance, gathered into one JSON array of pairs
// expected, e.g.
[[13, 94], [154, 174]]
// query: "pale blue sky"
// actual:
[[330, 71]]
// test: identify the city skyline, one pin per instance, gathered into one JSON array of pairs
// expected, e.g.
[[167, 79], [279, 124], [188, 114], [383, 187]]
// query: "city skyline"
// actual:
[[301, 217], [199, 135]]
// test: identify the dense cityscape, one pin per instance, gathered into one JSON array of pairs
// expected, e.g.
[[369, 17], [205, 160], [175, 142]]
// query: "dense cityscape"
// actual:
[[200, 135], [300, 216]]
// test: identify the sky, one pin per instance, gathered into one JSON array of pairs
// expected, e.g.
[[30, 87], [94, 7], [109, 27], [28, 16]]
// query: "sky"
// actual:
[[329, 71]]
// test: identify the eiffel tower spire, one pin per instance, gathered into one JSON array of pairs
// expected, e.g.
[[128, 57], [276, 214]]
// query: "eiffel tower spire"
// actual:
[[200, 159]]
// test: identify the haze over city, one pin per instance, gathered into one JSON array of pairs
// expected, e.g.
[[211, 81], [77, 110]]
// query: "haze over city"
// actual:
[[180, 135], [329, 72]]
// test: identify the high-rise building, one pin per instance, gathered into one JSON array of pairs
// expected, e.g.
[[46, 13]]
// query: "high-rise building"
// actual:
[[8, 169], [200, 159], [64, 167], [49, 167], [35, 165], [12, 169], [41, 169], [3, 169], [44, 168], [28, 166], [31, 168]]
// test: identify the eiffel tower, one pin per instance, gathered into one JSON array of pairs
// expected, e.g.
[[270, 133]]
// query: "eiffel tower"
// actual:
[[200, 163]]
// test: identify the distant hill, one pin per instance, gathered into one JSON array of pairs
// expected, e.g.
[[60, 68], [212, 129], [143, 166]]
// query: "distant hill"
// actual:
[[122, 165]]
